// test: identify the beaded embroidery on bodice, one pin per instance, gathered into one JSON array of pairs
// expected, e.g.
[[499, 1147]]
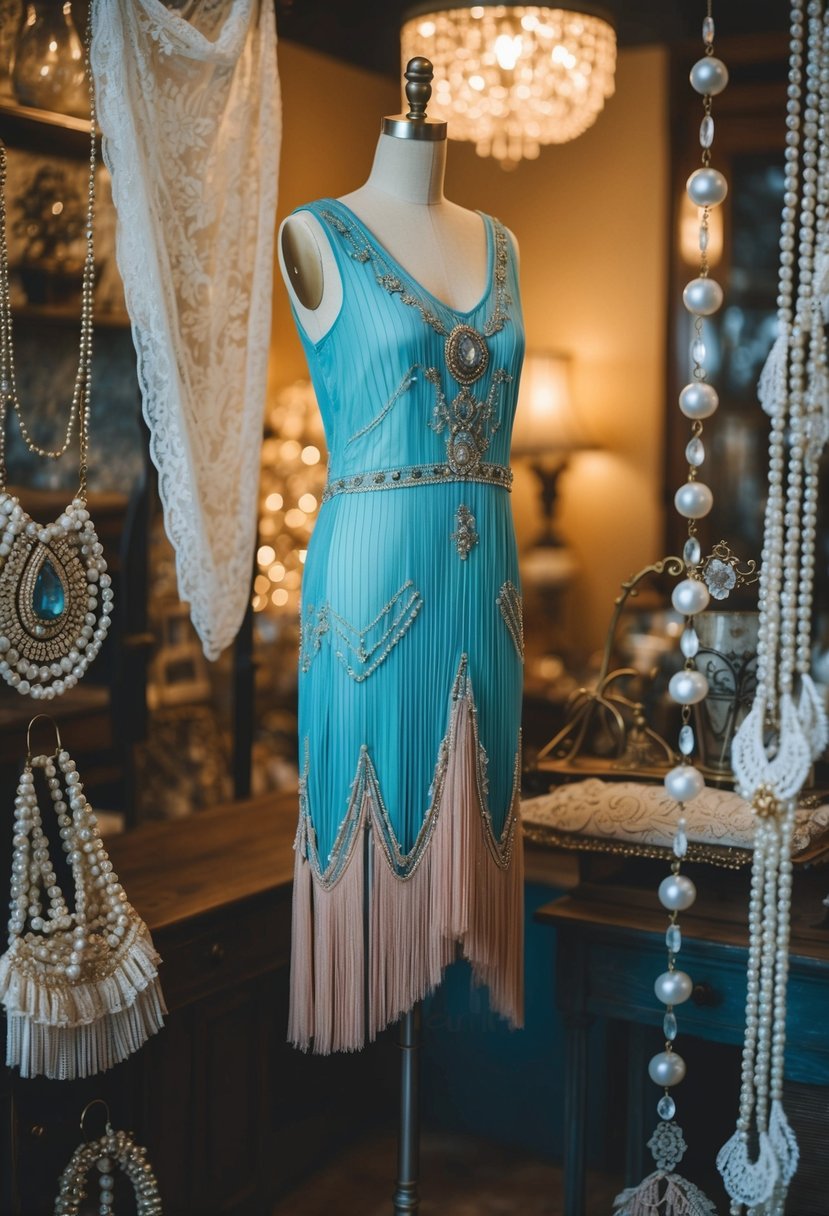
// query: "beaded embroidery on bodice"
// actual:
[[463, 414]]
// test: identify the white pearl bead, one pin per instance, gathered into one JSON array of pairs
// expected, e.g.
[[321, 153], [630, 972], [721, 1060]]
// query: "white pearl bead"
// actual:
[[673, 987], [698, 400], [709, 75], [684, 783], [677, 892], [688, 687], [706, 187], [702, 296], [690, 596], [666, 1068], [693, 500]]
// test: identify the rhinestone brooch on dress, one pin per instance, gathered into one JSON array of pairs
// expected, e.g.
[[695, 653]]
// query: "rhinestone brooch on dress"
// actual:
[[466, 353]]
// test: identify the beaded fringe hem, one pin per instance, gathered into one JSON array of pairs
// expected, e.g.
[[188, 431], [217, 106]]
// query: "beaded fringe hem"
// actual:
[[76, 1030], [463, 896]]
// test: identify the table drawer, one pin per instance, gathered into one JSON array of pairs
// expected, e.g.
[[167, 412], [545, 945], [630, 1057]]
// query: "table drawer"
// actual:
[[620, 983], [223, 950], [620, 977]]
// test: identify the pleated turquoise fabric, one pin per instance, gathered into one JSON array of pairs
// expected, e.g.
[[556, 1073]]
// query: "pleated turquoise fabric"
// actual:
[[411, 641]]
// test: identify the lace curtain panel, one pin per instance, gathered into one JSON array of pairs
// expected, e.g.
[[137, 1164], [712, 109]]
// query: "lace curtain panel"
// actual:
[[188, 101]]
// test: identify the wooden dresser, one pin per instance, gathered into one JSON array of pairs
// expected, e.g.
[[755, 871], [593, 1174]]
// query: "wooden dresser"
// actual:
[[231, 1116]]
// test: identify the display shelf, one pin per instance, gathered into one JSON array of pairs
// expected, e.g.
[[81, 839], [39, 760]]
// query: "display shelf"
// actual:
[[44, 130], [68, 315]]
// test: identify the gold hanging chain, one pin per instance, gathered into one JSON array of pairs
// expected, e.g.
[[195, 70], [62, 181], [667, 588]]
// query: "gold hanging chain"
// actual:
[[79, 408]]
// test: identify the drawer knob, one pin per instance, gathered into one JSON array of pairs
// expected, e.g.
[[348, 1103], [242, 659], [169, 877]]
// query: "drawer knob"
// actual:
[[37, 1130], [705, 995], [217, 952]]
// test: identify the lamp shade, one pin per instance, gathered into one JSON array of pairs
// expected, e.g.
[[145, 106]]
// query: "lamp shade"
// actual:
[[546, 420], [512, 78]]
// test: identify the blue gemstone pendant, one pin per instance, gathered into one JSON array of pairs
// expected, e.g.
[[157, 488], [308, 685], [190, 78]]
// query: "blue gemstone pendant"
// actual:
[[55, 599], [49, 597]]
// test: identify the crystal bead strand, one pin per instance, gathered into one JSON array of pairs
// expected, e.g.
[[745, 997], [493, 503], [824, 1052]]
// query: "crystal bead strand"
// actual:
[[706, 187]]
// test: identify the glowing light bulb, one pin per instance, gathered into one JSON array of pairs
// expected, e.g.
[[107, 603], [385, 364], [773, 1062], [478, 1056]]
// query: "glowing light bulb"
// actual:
[[507, 50]]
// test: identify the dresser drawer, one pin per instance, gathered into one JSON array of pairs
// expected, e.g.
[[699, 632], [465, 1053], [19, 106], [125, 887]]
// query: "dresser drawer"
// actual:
[[619, 978], [620, 983], [220, 951]]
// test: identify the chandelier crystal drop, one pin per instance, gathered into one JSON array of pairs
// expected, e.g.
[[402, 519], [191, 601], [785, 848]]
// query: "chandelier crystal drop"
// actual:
[[511, 78]]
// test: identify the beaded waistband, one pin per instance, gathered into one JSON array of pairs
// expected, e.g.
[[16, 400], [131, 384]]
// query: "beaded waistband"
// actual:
[[417, 475]]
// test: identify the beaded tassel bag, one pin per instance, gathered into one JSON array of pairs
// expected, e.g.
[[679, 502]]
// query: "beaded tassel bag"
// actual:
[[80, 988]]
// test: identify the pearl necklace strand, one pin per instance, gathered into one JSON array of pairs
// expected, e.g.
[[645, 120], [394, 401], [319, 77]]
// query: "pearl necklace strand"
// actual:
[[706, 187], [777, 742]]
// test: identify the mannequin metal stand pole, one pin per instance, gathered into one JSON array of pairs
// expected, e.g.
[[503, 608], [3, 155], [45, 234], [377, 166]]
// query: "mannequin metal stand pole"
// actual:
[[368, 859], [407, 1196]]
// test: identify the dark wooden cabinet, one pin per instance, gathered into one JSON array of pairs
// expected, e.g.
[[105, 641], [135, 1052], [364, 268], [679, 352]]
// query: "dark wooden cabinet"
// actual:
[[231, 1115], [610, 948]]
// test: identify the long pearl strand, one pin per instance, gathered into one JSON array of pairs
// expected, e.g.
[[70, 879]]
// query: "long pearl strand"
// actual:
[[779, 739], [706, 187]]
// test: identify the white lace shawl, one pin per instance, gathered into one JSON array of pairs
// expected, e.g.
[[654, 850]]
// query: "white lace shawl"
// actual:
[[188, 101]]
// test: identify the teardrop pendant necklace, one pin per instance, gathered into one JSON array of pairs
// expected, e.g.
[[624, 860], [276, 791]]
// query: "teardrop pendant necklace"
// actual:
[[55, 593]]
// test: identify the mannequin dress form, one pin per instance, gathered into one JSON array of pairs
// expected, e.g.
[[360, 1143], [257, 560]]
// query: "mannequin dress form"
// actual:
[[408, 847]]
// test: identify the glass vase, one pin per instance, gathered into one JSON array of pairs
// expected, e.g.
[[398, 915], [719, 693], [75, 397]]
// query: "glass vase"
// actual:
[[48, 67], [728, 659]]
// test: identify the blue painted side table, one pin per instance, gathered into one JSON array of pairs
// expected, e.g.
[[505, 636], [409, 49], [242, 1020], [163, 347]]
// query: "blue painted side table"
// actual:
[[611, 947]]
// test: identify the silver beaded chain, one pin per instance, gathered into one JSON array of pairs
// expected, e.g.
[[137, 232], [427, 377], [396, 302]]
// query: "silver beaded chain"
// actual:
[[79, 407]]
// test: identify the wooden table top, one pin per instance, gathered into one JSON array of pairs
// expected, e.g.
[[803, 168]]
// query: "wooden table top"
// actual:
[[179, 869], [719, 915]]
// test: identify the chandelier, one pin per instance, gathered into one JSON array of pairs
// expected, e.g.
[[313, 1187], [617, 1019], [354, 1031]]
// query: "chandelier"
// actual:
[[510, 78]]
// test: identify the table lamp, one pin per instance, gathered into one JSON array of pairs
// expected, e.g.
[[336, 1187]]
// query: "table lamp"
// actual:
[[547, 431]]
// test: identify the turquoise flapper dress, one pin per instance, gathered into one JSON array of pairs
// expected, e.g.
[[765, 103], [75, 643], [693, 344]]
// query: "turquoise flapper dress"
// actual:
[[408, 849]]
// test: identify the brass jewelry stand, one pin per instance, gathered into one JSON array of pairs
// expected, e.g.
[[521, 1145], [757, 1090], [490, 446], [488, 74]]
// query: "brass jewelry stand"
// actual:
[[638, 750]]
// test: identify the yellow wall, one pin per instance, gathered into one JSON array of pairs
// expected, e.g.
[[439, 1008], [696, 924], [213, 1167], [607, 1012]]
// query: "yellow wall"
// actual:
[[330, 122], [590, 218]]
